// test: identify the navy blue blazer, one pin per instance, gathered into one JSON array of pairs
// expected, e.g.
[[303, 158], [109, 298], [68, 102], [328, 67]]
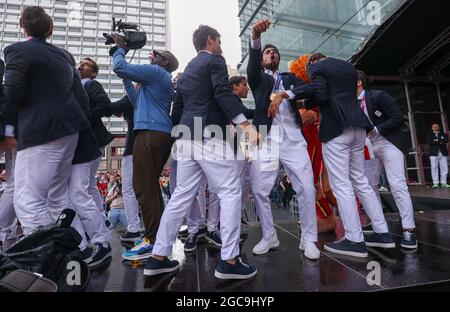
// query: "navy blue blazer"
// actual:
[[203, 91], [438, 143], [125, 107], [387, 117], [333, 88], [262, 85], [40, 99]]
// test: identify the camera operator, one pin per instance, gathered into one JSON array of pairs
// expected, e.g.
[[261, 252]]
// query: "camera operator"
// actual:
[[100, 107], [153, 128]]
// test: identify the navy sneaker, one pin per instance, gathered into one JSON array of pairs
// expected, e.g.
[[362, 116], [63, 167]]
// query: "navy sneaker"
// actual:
[[191, 242], [183, 233], [155, 267], [347, 248], [214, 238], [382, 240], [409, 240], [239, 270], [202, 232], [367, 229], [86, 255], [130, 236], [108, 224], [100, 254]]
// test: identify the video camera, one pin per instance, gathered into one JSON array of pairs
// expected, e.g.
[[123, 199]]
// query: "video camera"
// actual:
[[134, 38]]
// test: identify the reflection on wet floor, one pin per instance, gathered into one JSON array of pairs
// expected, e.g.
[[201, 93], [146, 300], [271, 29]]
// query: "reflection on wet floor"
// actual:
[[286, 269]]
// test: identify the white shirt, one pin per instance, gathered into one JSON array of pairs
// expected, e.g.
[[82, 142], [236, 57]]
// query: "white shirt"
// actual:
[[285, 118]]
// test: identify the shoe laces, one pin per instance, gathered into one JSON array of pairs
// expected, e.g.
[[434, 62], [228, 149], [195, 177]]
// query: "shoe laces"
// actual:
[[243, 263]]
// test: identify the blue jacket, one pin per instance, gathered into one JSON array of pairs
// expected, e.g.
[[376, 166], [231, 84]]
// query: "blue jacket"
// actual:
[[153, 100]]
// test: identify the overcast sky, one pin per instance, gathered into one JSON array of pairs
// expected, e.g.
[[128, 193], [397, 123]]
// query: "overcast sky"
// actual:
[[186, 15]]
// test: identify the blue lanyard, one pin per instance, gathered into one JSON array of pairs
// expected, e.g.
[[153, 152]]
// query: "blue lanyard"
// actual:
[[277, 84]]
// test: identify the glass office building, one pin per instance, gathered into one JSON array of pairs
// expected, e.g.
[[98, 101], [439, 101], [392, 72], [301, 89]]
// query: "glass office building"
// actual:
[[409, 65], [79, 27]]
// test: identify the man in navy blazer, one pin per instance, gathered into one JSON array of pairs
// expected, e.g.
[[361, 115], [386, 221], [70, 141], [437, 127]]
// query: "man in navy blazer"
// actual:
[[277, 115], [389, 146], [204, 94], [343, 127], [41, 103], [437, 140]]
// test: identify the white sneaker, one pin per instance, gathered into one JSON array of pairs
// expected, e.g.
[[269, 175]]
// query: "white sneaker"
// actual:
[[264, 246], [310, 249], [383, 189]]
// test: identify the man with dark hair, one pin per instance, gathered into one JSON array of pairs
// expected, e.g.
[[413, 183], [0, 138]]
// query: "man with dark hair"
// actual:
[[100, 106], [342, 132], [152, 125], [204, 94], [438, 156], [45, 110], [239, 86], [389, 146], [273, 92]]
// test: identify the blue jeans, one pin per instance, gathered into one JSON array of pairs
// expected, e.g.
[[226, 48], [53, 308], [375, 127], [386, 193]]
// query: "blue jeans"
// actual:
[[117, 215]]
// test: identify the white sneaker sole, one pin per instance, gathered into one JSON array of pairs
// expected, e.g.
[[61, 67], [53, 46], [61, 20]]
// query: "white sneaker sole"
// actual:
[[380, 245], [234, 276], [130, 239], [137, 257], [160, 271], [275, 246], [210, 240], [346, 253], [368, 232], [98, 262], [410, 246]]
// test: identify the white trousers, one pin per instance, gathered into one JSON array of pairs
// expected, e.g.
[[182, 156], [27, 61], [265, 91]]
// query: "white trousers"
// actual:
[[93, 189], [41, 179], [372, 170], [393, 162], [196, 218], [82, 202], [439, 162], [344, 158], [7, 213], [264, 169], [223, 177], [214, 203], [129, 197]]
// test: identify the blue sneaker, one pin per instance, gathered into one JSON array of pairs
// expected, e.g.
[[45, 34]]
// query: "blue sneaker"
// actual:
[[155, 267], [409, 240], [191, 242], [139, 252], [382, 240], [239, 270], [347, 248]]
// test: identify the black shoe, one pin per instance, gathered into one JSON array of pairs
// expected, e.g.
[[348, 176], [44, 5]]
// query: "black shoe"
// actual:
[[214, 238], [239, 270], [382, 240], [155, 267], [100, 254], [183, 234], [86, 255], [409, 240], [202, 232], [367, 229], [191, 242], [347, 248], [130, 236], [108, 224]]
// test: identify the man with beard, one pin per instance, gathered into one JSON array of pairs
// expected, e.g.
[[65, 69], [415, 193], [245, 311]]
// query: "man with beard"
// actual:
[[273, 92]]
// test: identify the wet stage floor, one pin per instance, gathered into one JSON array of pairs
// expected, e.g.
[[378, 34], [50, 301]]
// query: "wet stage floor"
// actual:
[[287, 270]]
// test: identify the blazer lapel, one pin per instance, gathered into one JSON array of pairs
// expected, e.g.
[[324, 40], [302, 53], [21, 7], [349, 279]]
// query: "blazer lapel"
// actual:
[[370, 105]]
